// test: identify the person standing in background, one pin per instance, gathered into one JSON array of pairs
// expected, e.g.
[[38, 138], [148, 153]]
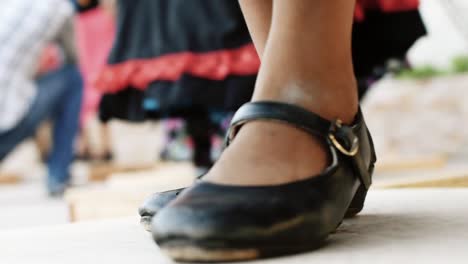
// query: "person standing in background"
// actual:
[[95, 32], [26, 29]]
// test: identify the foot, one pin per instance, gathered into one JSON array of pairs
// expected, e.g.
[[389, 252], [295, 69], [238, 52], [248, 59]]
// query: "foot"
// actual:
[[255, 221], [56, 189], [269, 153]]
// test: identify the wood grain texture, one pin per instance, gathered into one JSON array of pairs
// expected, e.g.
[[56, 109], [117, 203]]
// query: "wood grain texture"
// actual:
[[396, 226]]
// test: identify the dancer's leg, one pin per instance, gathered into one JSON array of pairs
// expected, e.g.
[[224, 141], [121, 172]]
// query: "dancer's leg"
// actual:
[[307, 62], [258, 15]]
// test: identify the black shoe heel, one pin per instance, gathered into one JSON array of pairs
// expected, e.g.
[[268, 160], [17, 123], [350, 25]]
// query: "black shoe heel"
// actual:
[[357, 204]]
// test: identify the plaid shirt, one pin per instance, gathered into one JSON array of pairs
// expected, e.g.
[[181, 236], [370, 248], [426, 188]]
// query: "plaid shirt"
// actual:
[[26, 27]]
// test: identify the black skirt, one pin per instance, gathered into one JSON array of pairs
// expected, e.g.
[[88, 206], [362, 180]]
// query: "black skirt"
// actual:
[[157, 35], [175, 57]]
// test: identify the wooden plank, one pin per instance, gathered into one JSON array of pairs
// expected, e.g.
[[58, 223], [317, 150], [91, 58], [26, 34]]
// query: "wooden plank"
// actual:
[[396, 226], [451, 182], [102, 171], [396, 164], [104, 204], [124, 192], [9, 178], [451, 175]]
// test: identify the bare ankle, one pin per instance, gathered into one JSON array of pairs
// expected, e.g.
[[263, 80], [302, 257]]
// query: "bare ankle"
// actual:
[[329, 99]]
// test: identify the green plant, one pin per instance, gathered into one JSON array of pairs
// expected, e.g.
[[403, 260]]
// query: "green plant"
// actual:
[[423, 72], [460, 64]]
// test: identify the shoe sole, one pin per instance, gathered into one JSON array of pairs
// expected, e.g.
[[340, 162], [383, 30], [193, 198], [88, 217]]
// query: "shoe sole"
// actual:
[[198, 254], [184, 251], [145, 222]]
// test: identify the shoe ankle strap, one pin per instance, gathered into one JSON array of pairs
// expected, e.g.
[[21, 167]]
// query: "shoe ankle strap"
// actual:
[[341, 137], [279, 112]]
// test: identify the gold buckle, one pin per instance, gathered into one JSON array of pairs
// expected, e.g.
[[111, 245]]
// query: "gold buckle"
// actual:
[[355, 145]]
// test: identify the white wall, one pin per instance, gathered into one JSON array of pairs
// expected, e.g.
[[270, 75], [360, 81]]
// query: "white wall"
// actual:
[[444, 40]]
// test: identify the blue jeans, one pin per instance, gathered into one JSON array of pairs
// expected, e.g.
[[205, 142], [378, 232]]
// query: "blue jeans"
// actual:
[[58, 99]]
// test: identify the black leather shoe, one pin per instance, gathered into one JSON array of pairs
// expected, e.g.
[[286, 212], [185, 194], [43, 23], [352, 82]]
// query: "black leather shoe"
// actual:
[[210, 222], [153, 205]]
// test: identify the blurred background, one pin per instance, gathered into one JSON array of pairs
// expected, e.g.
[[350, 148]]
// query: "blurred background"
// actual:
[[99, 108]]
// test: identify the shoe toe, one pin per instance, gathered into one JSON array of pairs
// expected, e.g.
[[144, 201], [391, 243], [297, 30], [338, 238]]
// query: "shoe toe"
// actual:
[[153, 205], [200, 215]]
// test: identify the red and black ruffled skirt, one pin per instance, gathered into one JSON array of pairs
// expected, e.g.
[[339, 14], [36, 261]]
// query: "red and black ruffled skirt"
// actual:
[[174, 57]]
